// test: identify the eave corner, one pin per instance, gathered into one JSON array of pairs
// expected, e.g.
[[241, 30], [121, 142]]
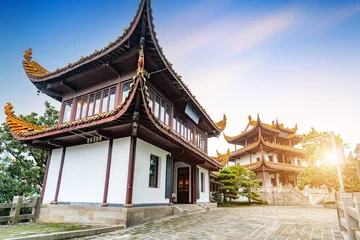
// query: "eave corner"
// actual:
[[32, 68]]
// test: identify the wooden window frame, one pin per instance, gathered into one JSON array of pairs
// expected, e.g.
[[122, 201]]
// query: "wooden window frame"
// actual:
[[202, 182], [88, 95], [121, 90], [166, 102], [61, 118], [156, 172]]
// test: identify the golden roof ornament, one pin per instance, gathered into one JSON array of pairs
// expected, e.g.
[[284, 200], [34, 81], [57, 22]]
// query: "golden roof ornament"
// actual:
[[19, 125], [28, 54], [141, 62], [9, 109], [222, 124], [31, 67], [250, 118]]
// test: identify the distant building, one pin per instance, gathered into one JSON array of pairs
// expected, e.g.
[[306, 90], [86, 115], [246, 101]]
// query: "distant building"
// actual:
[[268, 150]]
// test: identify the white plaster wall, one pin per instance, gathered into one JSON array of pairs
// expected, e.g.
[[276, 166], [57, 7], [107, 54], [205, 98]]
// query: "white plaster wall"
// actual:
[[176, 166], [52, 177], [142, 193], [204, 196], [84, 173], [119, 170], [243, 160]]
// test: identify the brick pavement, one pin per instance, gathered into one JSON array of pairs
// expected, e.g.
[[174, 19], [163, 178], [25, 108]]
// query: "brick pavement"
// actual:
[[247, 223]]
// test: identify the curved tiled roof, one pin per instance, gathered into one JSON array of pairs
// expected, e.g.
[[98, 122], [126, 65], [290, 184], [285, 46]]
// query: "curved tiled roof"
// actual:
[[274, 127], [273, 165], [23, 130], [261, 141], [222, 159], [41, 74], [37, 73], [255, 124]]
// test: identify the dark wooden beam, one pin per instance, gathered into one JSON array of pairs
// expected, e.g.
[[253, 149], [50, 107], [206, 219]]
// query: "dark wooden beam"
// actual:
[[45, 175], [193, 184], [59, 176], [103, 134], [67, 86], [107, 175], [51, 92], [108, 65], [55, 144]]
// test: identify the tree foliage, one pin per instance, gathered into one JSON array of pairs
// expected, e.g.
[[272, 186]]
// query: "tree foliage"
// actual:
[[319, 149], [22, 171], [229, 187], [245, 179], [320, 171]]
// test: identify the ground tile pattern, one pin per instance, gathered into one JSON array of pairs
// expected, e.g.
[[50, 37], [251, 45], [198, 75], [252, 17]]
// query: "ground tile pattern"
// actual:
[[247, 223]]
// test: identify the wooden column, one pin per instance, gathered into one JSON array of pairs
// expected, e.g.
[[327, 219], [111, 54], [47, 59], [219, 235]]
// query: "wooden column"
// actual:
[[59, 176], [46, 175], [283, 158], [209, 186], [246, 142], [264, 178], [107, 176], [250, 158], [131, 167], [274, 139], [193, 184], [171, 180]]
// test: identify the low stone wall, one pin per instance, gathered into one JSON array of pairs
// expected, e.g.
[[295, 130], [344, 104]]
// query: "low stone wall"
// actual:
[[139, 215], [102, 215]]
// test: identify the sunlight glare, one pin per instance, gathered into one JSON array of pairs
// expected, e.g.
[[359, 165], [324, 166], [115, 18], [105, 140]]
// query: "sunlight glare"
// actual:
[[331, 158]]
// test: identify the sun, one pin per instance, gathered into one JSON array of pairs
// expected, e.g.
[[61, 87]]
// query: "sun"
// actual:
[[331, 158]]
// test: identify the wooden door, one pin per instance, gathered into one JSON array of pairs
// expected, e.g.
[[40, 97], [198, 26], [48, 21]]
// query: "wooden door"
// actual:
[[183, 185]]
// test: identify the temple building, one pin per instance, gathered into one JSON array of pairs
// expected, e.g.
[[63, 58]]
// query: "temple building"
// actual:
[[268, 150], [130, 134]]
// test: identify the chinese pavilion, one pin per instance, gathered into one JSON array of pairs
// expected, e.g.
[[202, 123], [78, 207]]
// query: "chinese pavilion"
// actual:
[[130, 131], [268, 150]]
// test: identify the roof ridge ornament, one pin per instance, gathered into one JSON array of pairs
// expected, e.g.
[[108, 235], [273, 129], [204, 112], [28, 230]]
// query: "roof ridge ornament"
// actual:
[[141, 62], [222, 124], [250, 119], [28, 54], [17, 124], [31, 67]]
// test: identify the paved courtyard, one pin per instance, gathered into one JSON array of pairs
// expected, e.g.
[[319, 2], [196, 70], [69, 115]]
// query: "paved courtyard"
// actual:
[[255, 222]]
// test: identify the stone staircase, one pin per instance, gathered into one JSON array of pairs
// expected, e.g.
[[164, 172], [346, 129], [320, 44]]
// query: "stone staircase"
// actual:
[[187, 209], [284, 195]]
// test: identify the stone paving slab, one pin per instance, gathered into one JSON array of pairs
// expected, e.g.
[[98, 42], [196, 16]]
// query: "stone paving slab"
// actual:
[[243, 223]]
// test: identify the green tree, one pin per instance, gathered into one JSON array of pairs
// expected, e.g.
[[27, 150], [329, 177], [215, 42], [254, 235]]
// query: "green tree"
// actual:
[[22, 172], [319, 149], [245, 179], [228, 184]]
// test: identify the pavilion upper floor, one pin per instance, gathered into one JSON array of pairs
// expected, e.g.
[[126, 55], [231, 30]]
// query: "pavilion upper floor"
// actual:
[[274, 133]]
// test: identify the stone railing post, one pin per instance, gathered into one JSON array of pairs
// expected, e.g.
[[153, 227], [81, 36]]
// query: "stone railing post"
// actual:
[[357, 207], [348, 201], [36, 208], [15, 210]]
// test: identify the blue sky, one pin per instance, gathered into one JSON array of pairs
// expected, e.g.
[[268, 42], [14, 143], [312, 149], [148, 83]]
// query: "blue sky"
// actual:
[[298, 61]]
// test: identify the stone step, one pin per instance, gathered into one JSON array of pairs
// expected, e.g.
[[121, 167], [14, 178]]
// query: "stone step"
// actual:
[[190, 208]]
